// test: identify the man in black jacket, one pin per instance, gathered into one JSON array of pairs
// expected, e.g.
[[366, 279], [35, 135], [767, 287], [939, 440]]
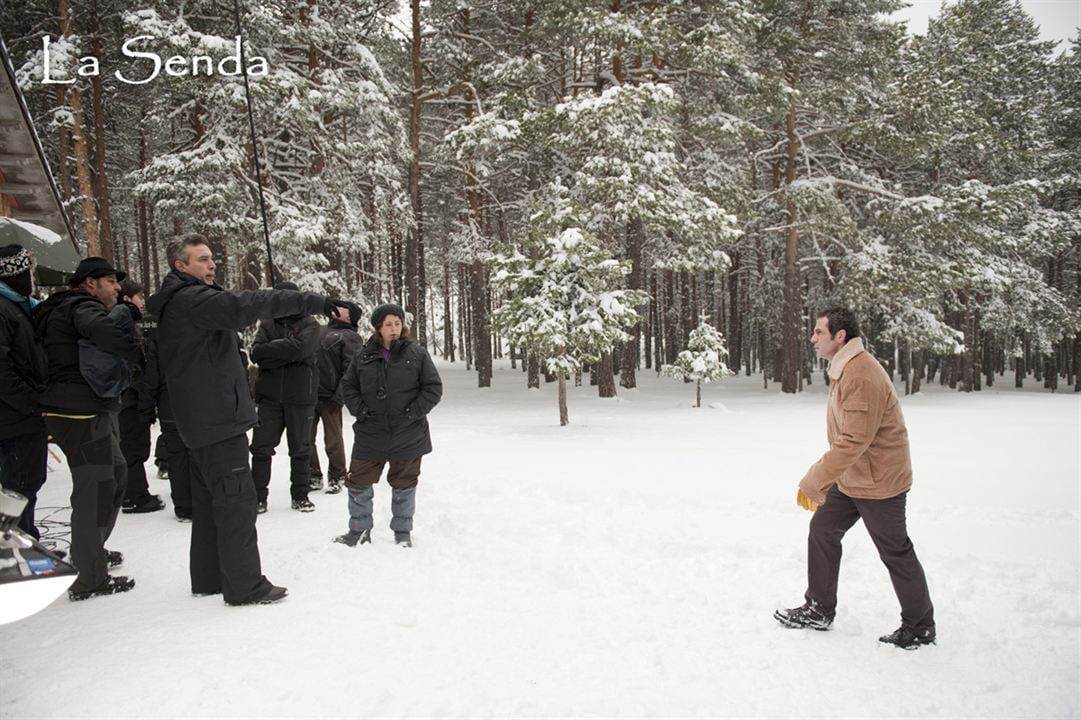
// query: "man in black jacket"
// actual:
[[340, 342], [24, 447], [213, 409], [134, 430], [284, 349], [82, 422]]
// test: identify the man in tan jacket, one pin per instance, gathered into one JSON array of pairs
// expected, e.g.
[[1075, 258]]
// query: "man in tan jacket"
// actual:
[[866, 473]]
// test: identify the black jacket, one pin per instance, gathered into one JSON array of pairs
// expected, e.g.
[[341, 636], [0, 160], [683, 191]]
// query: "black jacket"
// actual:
[[285, 350], [340, 342], [199, 353], [23, 372], [60, 322], [391, 400], [153, 393]]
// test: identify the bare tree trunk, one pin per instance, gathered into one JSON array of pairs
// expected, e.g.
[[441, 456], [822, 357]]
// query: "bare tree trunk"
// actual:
[[605, 373], [533, 371], [735, 328], [790, 312], [82, 148], [101, 180], [629, 365], [564, 418], [482, 339], [414, 254], [698, 393], [448, 325]]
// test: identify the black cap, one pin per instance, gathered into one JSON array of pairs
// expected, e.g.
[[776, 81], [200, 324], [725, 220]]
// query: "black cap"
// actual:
[[94, 267]]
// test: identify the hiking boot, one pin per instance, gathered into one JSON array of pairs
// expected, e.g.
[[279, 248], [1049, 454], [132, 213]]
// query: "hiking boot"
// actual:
[[334, 486], [315, 482], [806, 615], [114, 558], [149, 504], [273, 595], [303, 505], [354, 538], [909, 639], [183, 517], [111, 586], [403, 539], [163, 472], [260, 507]]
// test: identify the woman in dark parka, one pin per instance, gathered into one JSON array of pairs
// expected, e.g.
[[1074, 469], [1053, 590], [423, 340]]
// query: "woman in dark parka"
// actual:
[[390, 387]]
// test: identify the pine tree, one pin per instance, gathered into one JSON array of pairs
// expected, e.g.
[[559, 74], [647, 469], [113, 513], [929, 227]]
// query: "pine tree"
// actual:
[[704, 360], [562, 304]]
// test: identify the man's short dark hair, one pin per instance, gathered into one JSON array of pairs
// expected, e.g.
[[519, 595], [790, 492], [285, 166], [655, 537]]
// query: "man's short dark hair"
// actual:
[[841, 318], [177, 249]]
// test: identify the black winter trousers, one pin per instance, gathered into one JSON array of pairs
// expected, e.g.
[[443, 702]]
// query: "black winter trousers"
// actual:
[[885, 522], [224, 544], [178, 460], [296, 420], [135, 444], [23, 464], [99, 475]]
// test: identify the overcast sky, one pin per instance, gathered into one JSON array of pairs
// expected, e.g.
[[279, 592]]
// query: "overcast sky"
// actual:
[[1058, 19]]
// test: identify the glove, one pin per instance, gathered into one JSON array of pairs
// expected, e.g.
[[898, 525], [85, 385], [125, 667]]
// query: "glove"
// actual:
[[333, 308], [805, 502]]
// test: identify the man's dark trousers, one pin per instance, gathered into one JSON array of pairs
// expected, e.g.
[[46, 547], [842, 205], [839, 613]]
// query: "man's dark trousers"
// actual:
[[885, 522], [23, 465], [224, 544], [178, 459], [135, 444], [296, 420], [99, 476], [330, 413]]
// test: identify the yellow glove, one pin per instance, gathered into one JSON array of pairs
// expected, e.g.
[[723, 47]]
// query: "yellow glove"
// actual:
[[805, 502]]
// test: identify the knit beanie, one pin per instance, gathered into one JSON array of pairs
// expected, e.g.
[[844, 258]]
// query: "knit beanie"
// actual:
[[381, 312], [16, 265]]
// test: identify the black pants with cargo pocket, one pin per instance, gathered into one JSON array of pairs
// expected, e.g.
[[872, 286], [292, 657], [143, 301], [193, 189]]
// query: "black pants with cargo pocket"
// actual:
[[99, 477], [224, 544], [296, 421]]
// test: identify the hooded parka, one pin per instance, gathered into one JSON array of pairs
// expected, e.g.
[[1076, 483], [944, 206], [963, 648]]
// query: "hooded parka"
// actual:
[[390, 400]]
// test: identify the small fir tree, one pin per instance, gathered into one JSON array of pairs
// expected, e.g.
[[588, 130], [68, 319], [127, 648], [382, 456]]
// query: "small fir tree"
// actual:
[[704, 360], [561, 305]]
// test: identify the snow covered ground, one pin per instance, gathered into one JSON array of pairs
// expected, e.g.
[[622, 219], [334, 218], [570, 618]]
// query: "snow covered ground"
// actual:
[[624, 566]]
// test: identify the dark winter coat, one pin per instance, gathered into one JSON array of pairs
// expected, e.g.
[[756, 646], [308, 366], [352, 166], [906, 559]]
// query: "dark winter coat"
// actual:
[[60, 322], [110, 375], [153, 392], [285, 351], [340, 342], [391, 400], [199, 353], [23, 371]]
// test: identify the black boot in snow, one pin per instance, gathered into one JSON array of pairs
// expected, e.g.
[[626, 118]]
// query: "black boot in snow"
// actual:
[[354, 538], [403, 539], [806, 615], [909, 639]]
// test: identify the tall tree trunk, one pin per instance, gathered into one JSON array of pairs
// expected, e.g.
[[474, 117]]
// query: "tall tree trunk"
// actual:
[[82, 147], [414, 254], [448, 324], [533, 370], [631, 348], [735, 326], [698, 393], [564, 418], [482, 338], [605, 372], [101, 178], [790, 312]]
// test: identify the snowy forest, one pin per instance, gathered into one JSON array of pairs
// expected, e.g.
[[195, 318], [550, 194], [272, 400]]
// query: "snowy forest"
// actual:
[[733, 165]]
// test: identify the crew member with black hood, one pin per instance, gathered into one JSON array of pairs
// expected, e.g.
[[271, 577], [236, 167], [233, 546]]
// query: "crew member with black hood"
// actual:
[[81, 417], [200, 358], [285, 349]]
